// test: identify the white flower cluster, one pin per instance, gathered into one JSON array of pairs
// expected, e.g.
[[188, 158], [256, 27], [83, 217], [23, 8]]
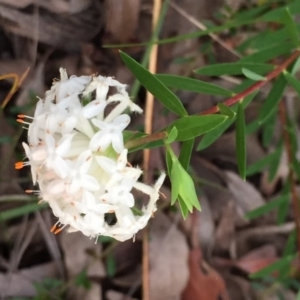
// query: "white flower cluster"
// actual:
[[77, 156]]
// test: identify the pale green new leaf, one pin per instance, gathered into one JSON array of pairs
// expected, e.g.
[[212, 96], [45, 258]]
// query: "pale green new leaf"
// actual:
[[251, 75]]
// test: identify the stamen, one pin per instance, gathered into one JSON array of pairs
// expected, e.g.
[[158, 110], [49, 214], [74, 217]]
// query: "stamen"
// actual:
[[23, 122], [21, 116], [53, 228], [19, 165], [162, 194], [58, 230]]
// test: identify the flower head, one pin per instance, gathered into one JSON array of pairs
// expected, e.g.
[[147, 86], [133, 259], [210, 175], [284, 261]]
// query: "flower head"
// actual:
[[78, 159]]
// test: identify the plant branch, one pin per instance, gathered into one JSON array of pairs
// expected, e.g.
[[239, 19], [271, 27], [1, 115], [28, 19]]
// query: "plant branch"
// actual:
[[295, 200], [146, 140], [231, 101]]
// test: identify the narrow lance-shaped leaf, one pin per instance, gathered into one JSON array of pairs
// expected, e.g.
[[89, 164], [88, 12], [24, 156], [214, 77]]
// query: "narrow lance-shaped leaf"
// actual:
[[233, 68], [241, 141], [226, 111], [268, 128], [213, 135], [293, 81], [272, 100], [267, 53], [193, 126], [273, 267], [251, 75], [193, 85], [186, 152], [172, 135], [264, 209], [154, 86], [291, 26]]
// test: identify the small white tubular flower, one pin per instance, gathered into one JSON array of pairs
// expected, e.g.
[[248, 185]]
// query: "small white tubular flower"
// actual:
[[124, 102], [78, 174], [77, 157], [110, 133]]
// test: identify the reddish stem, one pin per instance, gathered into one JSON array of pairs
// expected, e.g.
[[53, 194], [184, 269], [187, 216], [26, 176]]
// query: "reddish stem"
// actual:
[[255, 86]]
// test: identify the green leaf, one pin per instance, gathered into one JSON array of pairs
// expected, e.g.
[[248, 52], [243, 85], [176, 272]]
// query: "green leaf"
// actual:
[[266, 208], [210, 137], [176, 181], [5, 139], [268, 53], [293, 81], [21, 211], [241, 141], [291, 27], [169, 162], [276, 15], [274, 165], [268, 128], [214, 134], [273, 99], [273, 267], [172, 135], [251, 75], [233, 68], [182, 183], [154, 86], [110, 265], [290, 248], [193, 126], [183, 207], [226, 111], [193, 85], [260, 165], [252, 127], [82, 280], [186, 152]]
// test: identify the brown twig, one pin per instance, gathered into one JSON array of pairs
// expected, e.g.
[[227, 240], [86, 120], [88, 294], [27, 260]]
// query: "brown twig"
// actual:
[[231, 101], [148, 130], [295, 200]]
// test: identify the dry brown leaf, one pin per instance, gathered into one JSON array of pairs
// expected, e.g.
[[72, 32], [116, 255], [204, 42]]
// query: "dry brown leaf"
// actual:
[[258, 259], [57, 6], [122, 18], [226, 228], [76, 247], [238, 287], [21, 283], [65, 31], [168, 259], [206, 225], [204, 282], [246, 195], [112, 295]]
